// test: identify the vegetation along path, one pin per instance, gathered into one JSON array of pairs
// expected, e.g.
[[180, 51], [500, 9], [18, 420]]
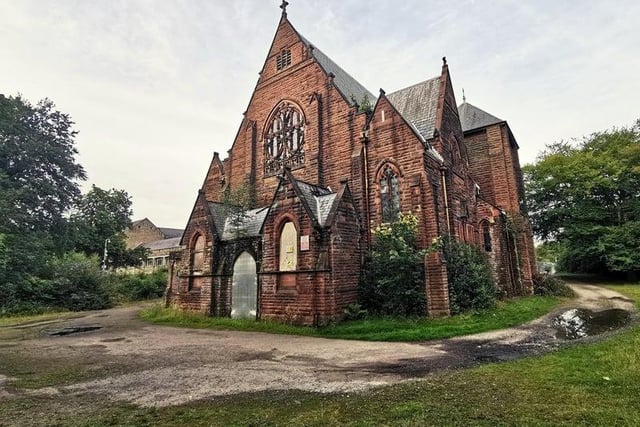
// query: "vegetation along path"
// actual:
[[115, 355]]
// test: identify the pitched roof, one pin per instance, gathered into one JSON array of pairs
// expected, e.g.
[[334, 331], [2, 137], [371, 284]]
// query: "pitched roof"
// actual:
[[346, 84], [171, 232], [418, 105], [174, 242], [472, 117], [230, 225]]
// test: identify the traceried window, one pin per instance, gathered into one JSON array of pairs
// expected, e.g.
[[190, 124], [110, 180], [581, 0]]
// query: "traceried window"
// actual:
[[283, 60], [284, 139], [389, 194], [288, 247]]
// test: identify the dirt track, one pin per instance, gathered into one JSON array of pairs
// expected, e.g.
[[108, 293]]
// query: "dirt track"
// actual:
[[155, 365]]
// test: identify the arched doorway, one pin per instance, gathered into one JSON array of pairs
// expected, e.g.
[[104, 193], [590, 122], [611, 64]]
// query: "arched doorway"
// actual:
[[244, 288]]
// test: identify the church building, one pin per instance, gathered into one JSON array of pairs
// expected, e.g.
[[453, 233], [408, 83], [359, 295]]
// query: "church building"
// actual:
[[318, 161]]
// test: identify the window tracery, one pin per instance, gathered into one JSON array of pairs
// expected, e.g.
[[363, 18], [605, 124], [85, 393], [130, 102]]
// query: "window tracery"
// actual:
[[284, 139]]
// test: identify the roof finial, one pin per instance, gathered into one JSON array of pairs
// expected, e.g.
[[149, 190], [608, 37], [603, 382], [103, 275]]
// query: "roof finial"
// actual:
[[444, 61], [464, 98], [283, 6]]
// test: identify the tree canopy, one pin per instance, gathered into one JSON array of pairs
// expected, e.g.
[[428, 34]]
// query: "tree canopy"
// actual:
[[38, 183], [38, 171], [100, 216], [586, 197]]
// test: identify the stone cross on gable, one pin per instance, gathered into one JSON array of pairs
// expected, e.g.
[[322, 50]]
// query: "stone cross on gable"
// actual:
[[283, 6]]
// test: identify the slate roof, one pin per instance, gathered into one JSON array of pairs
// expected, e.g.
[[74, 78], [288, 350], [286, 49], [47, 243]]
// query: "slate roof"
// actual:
[[173, 242], [248, 224], [171, 232], [472, 117], [219, 214], [345, 83], [418, 105], [323, 206]]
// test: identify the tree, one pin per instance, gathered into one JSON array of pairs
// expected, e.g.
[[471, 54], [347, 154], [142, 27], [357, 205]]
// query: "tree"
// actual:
[[103, 216], [38, 183], [38, 170], [586, 197]]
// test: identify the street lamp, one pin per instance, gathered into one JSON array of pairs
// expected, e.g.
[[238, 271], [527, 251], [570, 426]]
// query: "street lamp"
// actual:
[[104, 257]]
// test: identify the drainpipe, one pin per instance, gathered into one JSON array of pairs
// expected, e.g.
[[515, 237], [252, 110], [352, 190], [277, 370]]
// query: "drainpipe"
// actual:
[[443, 169], [365, 143]]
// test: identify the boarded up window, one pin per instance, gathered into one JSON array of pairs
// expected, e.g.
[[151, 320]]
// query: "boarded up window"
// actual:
[[288, 247], [197, 257]]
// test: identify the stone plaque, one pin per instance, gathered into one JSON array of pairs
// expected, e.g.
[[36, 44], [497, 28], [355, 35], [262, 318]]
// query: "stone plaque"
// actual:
[[304, 243]]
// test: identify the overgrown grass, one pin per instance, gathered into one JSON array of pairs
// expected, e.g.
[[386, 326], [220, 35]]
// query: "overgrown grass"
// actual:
[[504, 315]]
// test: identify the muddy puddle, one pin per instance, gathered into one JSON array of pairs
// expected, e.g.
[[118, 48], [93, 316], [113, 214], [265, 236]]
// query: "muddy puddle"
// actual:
[[580, 323], [71, 330]]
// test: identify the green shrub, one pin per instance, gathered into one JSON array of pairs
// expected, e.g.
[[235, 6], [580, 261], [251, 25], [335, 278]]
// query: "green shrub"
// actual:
[[471, 284], [138, 286], [394, 282], [548, 285], [79, 284], [354, 312]]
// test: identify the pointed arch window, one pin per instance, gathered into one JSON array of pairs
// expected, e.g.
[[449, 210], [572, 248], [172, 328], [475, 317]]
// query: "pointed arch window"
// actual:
[[284, 139], [288, 247], [389, 194], [486, 235], [197, 254]]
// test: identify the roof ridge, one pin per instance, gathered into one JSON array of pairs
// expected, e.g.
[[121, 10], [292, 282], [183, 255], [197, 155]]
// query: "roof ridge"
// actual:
[[472, 117], [413, 85]]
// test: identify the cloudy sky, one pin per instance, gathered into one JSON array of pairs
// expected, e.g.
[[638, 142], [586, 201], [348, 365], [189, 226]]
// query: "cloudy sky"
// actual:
[[156, 86]]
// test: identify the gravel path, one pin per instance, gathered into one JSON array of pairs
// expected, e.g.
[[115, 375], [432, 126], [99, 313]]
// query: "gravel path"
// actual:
[[154, 365]]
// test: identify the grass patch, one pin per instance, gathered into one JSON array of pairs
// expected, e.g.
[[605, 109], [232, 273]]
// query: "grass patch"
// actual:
[[19, 320], [504, 315]]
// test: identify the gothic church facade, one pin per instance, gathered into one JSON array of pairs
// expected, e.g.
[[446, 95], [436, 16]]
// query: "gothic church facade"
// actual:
[[321, 170]]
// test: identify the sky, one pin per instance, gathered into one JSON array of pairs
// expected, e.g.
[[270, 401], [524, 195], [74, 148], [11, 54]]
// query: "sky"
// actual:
[[156, 86]]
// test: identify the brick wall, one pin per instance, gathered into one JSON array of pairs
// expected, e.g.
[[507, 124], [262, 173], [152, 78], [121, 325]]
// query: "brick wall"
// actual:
[[142, 232]]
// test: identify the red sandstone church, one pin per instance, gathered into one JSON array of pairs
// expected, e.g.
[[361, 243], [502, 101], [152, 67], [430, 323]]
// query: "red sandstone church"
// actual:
[[325, 160]]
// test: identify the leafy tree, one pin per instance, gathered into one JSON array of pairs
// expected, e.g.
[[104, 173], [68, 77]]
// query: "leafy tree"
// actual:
[[586, 196], [38, 170], [101, 216], [38, 184]]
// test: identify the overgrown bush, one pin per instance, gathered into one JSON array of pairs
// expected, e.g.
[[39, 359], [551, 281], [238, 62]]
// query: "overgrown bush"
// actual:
[[394, 283], [548, 285], [78, 283], [138, 286], [471, 284], [75, 282]]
